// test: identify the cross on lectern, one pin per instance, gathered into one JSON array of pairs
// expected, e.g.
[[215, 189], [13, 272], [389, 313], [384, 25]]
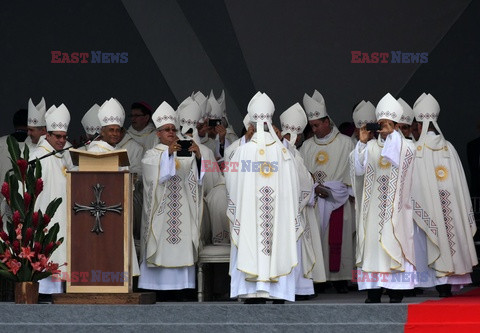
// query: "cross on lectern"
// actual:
[[98, 208]]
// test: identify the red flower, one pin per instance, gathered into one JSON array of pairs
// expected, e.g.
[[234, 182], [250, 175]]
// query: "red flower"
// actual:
[[3, 236], [22, 165], [46, 219], [37, 247], [43, 260], [6, 190], [16, 218], [28, 236], [27, 254], [18, 231], [37, 266], [27, 198], [5, 256], [35, 219], [16, 246], [38, 186], [48, 248], [53, 268], [13, 266]]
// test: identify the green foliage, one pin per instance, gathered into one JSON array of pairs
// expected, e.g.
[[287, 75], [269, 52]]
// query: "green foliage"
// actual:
[[21, 258]]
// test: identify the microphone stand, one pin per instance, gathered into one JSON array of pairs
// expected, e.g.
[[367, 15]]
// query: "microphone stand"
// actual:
[[32, 162]]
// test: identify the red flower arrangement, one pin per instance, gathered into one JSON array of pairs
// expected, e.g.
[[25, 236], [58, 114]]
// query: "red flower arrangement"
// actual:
[[27, 244]]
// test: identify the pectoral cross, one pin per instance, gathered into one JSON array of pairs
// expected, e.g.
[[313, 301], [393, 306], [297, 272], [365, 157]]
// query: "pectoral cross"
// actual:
[[98, 208]]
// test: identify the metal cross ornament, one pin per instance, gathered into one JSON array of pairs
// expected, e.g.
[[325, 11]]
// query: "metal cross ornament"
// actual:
[[98, 208]]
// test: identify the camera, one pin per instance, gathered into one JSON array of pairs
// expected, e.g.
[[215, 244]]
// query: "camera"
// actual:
[[214, 122], [373, 127], [185, 144]]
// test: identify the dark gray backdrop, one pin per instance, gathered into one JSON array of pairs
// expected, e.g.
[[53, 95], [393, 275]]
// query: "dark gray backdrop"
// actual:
[[284, 48]]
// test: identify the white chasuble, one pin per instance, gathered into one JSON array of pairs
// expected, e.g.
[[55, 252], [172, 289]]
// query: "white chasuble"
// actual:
[[170, 220], [442, 208], [147, 137], [263, 209], [327, 159], [215, 198], [134, 151], [170, 234], [385, 225], [312, 266], [54, 178]]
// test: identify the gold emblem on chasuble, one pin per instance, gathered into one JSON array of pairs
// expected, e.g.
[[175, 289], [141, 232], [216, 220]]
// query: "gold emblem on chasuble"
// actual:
[[266, 170], [322, 157], [177, 164], [441, 173], [383, 163]]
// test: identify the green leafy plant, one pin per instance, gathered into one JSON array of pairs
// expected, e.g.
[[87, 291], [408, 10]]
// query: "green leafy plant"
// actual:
[[26, 241]]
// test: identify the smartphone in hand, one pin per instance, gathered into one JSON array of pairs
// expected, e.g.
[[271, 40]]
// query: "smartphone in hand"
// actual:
[[185, 144], [373, 127], [214, 122]]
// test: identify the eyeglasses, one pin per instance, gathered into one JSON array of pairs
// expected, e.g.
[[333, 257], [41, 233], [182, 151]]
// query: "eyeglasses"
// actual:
[[136, 115], [168, 129], [60, 136]]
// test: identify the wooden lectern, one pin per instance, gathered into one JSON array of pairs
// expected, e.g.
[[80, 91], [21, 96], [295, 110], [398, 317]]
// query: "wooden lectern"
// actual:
[[99, 233]]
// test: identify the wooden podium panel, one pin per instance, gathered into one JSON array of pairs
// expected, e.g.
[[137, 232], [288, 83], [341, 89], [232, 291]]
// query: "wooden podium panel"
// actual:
[[99, 249], [96, 161]]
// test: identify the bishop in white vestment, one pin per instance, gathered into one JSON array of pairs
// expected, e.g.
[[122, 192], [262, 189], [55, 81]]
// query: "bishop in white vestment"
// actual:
[[311, 267], [326, 156], [142, 129], [172, 207], [385, 226], [111, 116], [442, 207], [263, 206], [54, 175]]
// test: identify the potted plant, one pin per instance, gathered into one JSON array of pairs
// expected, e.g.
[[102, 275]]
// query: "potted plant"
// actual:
[[27, 240]]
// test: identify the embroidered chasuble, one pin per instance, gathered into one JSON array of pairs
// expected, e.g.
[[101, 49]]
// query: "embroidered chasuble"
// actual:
[[311, 246], [215, 198], [172, 199], [215, 228], [263, 210], [385, 224], [327, 159], [442, 208], [147, 137]]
